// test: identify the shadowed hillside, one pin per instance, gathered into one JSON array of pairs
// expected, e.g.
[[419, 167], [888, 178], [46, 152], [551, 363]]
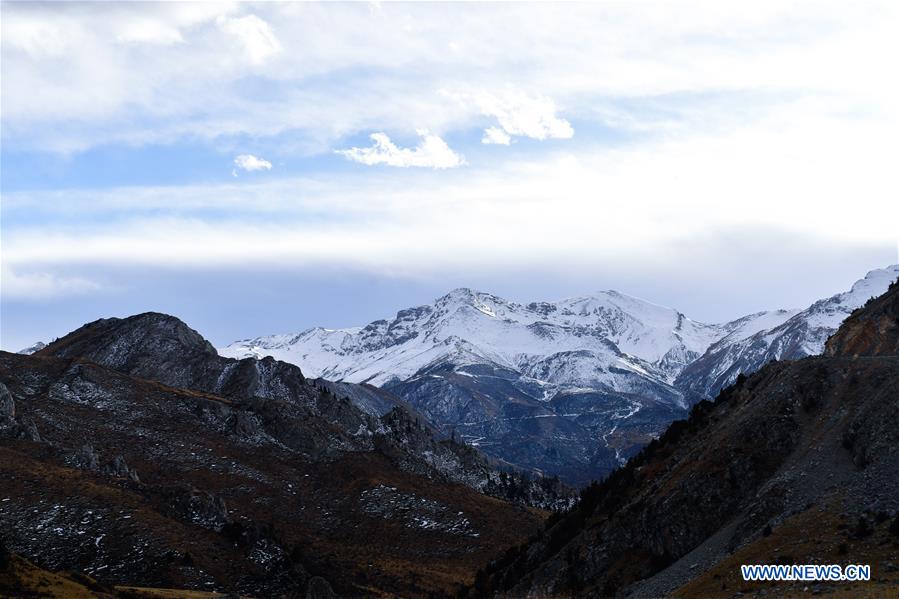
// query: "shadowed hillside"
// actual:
[[132, 453]]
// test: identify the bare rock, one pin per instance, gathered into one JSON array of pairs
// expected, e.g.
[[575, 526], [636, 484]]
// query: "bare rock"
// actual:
[[27, 429], [118, 467], [200, 507], [7, 405], [86, 459]]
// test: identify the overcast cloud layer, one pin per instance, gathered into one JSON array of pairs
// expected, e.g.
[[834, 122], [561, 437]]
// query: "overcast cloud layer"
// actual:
[[720, 157]]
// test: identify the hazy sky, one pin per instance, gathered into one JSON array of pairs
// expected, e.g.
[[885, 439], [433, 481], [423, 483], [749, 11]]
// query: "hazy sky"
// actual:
[[260, 168]]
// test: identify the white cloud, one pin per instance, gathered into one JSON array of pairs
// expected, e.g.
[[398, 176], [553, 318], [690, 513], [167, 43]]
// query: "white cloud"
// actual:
[[525, 116], [149, 31], [248, 162], [431, 152], [344, 69], [632, 206], [255, 35], [496, 136], [15, 285], [37, 37]]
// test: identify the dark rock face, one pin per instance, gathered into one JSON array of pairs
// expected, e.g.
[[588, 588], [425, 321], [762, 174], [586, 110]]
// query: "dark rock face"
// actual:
[[200, 507], [7, 405], [86, 458], [160, 347], [151, 345], [10, 426], [818, 433], [372, 400]]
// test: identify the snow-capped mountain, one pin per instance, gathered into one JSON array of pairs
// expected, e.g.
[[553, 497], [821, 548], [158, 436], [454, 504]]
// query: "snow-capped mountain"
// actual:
[[609, 339], [571, 387], [802, 334], [34, 348]]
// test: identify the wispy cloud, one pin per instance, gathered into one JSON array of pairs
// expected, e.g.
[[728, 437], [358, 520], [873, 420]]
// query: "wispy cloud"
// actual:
[[431, 152], [496, 136], [248, 162], [254, 35]]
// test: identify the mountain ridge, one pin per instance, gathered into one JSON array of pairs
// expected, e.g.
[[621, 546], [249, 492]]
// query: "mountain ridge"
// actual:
[[604, 372], [158, 462], [162, 348]]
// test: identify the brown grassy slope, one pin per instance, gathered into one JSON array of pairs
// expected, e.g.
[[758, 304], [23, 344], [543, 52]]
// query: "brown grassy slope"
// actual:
[[819, 535], [23, 579]]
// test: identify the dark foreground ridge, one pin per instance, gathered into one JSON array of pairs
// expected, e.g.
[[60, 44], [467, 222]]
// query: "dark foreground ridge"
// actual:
[[132, 453], [795, 464]]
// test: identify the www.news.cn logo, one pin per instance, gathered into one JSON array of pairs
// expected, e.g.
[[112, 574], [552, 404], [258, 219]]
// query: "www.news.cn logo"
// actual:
[[806, 572]]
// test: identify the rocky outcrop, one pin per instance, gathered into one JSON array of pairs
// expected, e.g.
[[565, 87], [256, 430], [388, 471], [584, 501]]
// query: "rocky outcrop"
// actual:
[[7, 405], [200, 507], [118, 467], [88, 459], [21, 427]]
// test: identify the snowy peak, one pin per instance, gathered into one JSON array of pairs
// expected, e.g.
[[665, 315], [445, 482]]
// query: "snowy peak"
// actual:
[[467, 296], [32, 349], [872, 285], [832, 311], [609, 325], [655, 339], [780, 335]]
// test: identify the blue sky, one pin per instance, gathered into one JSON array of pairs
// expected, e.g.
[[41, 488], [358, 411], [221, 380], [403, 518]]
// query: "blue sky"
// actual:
[[262, 167]]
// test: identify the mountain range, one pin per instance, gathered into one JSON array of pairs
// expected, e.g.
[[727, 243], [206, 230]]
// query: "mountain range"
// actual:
[[571, 388], [135, 461]]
